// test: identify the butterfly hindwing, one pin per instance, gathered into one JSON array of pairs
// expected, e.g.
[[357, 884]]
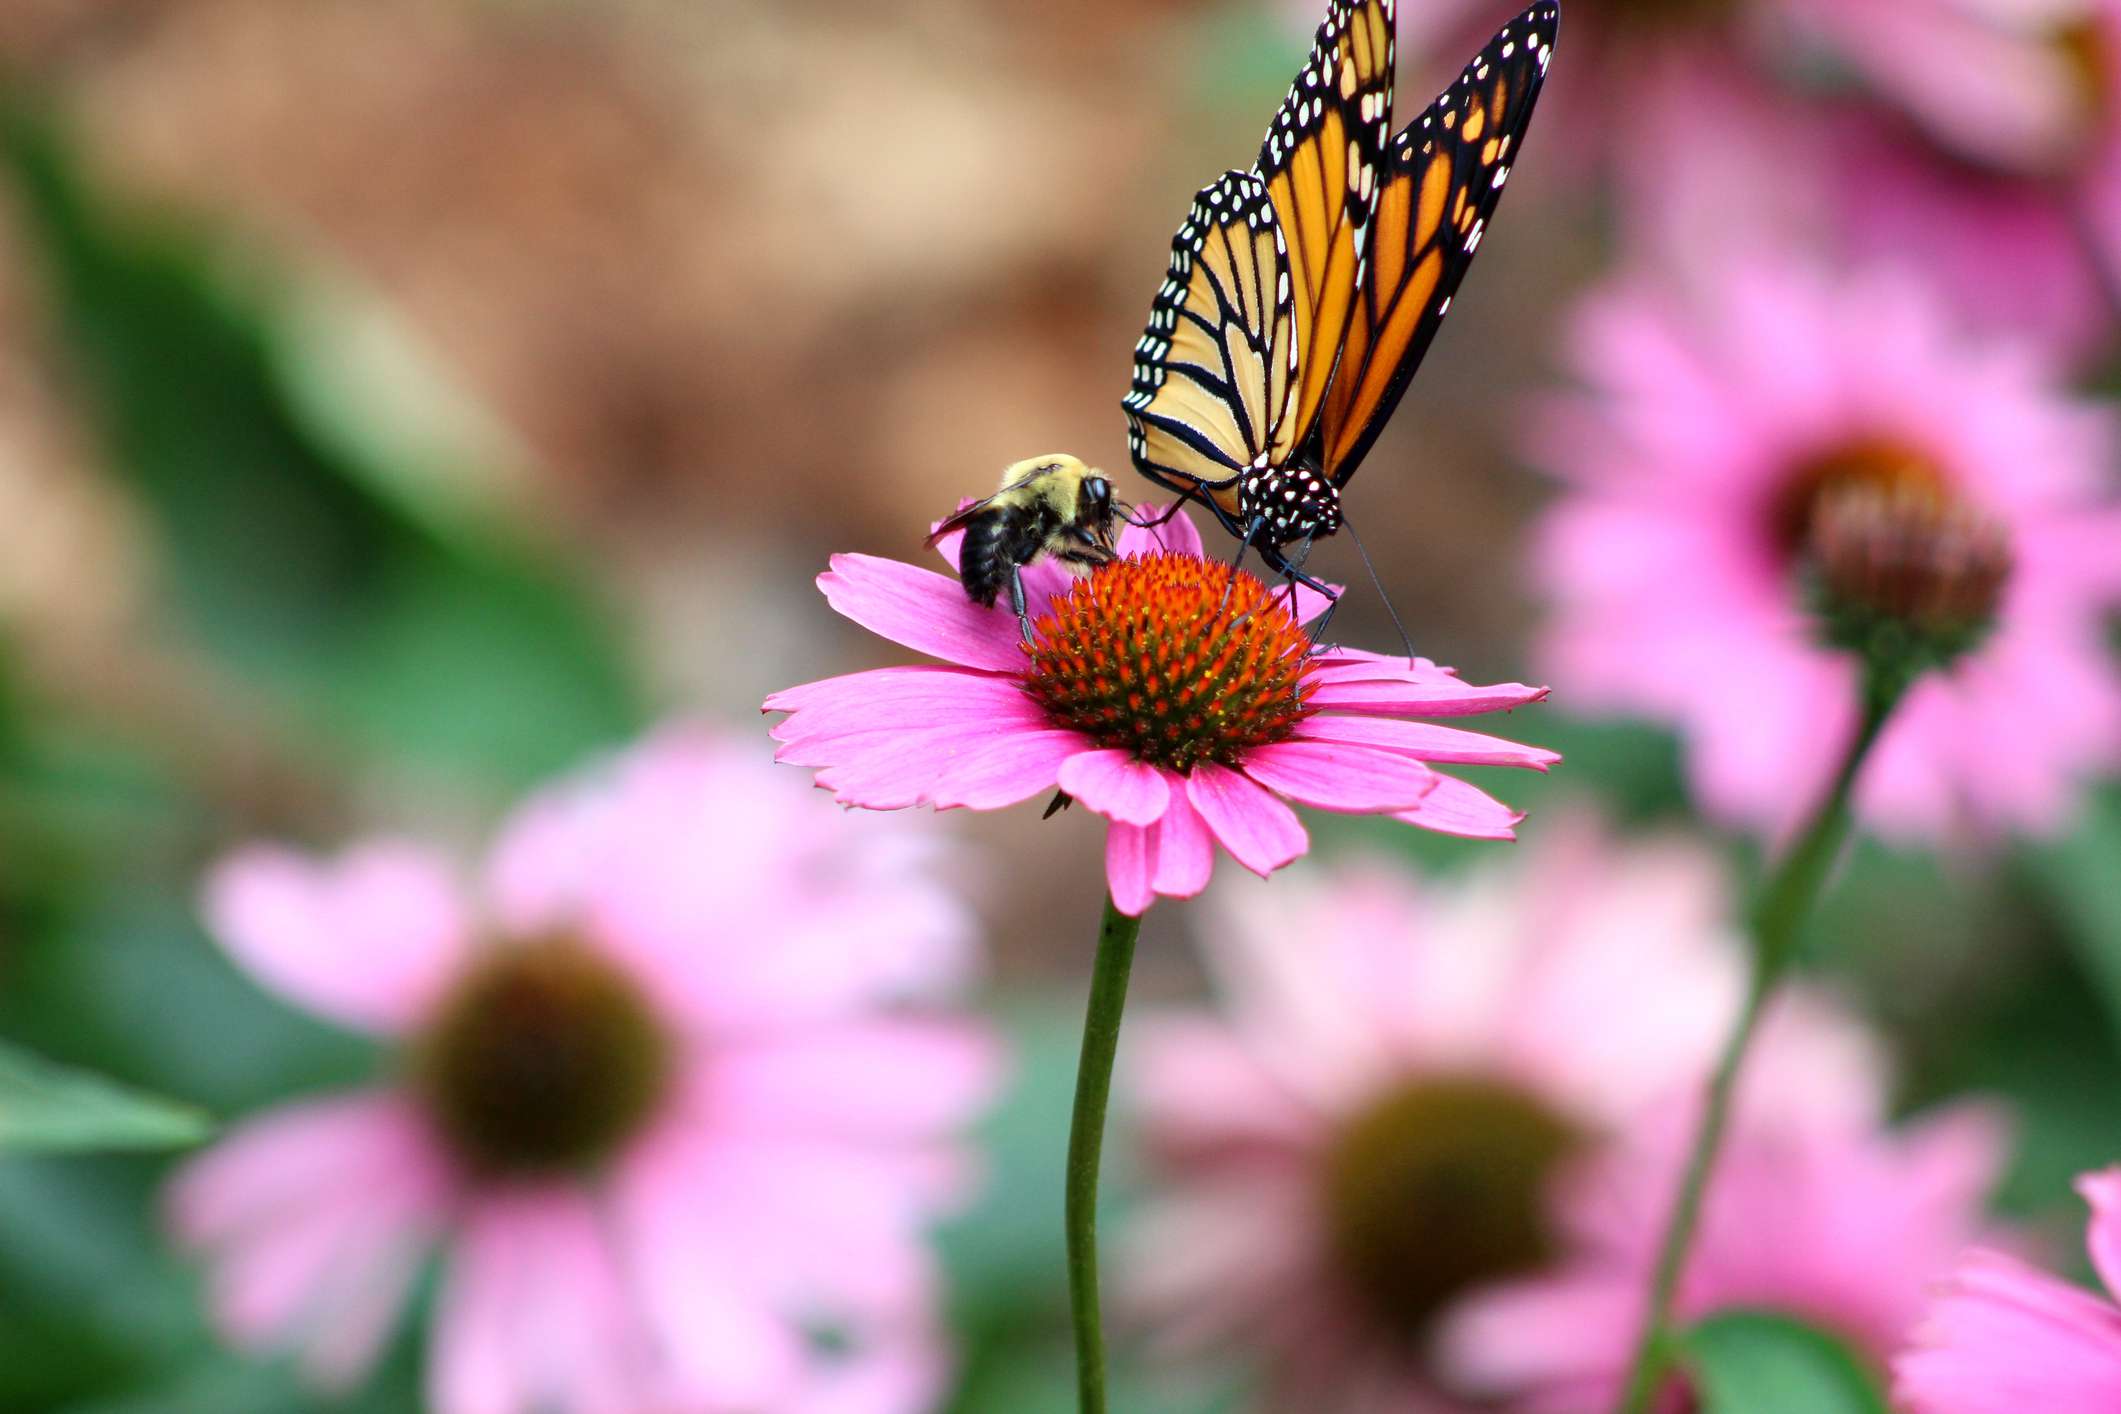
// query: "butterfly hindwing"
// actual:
[[1443, 175], [1214, 375], [1321, 162]]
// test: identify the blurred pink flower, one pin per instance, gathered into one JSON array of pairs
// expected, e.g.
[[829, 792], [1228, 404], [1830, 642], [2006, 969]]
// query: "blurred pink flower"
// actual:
[[1843, 1226], [1978, 83], [652, 1106], [1705, 435], [1367, 1134], [1109, 708], [2005, 1338]]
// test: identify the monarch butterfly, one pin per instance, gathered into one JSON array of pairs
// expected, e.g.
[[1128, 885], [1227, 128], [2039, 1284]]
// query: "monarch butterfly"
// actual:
[[1303, 293]]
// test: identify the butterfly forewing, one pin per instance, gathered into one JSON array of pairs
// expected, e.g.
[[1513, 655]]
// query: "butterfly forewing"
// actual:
[[1442, 177], [1321, 161], [1214, 376]]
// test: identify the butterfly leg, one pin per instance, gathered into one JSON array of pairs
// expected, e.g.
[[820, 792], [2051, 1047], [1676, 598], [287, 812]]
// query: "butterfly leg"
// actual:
[[1292, 573], [1016, 602], [1258, 524]]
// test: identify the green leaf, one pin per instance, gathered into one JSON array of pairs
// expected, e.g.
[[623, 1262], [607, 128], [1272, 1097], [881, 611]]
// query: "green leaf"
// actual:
[[1761, 1362], [47, 1108], [2083, 887]]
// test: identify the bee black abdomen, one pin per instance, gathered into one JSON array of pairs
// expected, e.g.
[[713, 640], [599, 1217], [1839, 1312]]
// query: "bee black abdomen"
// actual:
[[996, 541]]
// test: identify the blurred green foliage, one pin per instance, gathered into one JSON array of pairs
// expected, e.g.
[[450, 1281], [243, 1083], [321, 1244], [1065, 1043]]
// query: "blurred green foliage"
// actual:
[[54, 1109], [1758, 1362], [454, 642]]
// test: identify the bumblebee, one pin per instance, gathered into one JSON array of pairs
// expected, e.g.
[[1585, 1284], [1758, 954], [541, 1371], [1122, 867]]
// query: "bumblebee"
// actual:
[[1050, 505]]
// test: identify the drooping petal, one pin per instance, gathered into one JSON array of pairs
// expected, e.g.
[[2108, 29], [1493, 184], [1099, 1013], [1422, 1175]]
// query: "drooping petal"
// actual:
[[922, 610], [1335, 776], [1116, 785], [369, 940], [535, 1314], [315, 1219], [1260, 832], [1428, 742], [1130, 867], [1185, 850], [702, 1296], [1455, 808]]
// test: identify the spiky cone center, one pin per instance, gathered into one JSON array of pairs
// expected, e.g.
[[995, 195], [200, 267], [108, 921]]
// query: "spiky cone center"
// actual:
[[1881, 463], [1906, 572], [1438, 1186], [543, 1060], [1174, 658]]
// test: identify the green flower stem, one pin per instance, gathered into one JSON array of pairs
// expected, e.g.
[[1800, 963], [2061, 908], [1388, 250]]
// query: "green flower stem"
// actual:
[[1086, 1143], [1777, 926]]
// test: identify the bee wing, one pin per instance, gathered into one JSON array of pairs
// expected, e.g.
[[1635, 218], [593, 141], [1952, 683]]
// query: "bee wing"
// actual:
[[957, 520]]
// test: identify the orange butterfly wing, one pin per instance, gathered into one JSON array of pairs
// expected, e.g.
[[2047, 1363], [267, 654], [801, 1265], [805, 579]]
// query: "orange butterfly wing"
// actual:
[[1443, 177], [1242, 336]]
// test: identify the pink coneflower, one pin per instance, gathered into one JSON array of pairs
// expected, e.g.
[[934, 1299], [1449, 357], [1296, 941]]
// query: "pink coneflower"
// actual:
[[2001, 1337], [1176, 699], [1840, 1225], [1367, 1134], [653, 1105], [1697, 456]]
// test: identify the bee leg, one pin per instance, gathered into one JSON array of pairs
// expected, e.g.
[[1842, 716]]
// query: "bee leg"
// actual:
[[1061, 801], [1016, 602]]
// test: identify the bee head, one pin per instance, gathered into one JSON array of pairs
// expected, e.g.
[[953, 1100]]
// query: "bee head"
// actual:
[[1099, 507]]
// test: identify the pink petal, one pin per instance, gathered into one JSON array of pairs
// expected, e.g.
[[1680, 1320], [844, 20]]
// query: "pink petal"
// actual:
[[1428, 742], [1260, 832], [702, 1295], [1185, 850], [884, 1078], [2002, 1337], [1177, 535], [1114, 784], [535, 1314], [885, 771], [369, 940], [1455, 808], [922, 610], [908, 697], [1332, 776], [1130, 867], [315, 1219], [1349, 682], [2103, 1191], [998, 773]]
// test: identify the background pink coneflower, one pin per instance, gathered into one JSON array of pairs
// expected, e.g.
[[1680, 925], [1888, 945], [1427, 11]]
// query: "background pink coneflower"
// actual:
[[2001, 1337], [655, 1106], [1366, 1133], [1706, 432]]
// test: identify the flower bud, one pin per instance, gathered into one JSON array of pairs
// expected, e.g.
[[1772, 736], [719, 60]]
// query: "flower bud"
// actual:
[[1905, 575]]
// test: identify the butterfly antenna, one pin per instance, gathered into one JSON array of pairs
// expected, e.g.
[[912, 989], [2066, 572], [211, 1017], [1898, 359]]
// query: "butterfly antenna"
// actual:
[[1371, 568], [1176, 506]]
